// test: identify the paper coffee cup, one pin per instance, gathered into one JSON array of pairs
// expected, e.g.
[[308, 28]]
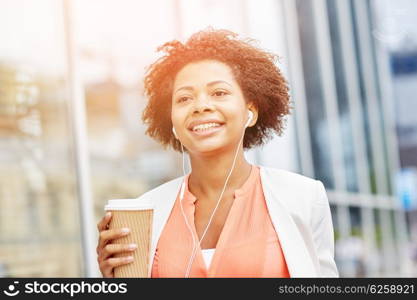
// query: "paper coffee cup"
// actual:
[[137, 216]]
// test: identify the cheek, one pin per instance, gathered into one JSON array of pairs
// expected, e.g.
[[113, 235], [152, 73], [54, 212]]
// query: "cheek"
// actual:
[[175, 115], [178, 118]]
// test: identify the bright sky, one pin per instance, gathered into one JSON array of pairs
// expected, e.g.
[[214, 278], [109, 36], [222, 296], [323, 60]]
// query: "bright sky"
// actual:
[[31, 32], [396, 19]]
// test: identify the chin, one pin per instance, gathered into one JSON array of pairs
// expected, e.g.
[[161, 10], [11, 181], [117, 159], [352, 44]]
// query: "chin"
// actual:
[[210, 148]]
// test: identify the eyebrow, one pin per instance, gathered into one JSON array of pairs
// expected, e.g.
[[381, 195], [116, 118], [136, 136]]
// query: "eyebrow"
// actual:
[[190, 88]]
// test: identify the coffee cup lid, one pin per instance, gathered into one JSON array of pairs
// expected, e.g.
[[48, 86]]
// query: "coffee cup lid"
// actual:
[[128, 204]]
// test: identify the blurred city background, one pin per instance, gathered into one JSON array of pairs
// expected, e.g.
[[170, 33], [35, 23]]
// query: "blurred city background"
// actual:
[[71, 137]]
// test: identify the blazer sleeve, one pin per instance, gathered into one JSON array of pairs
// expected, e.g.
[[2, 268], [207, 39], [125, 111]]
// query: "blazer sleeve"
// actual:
[[323, 234]]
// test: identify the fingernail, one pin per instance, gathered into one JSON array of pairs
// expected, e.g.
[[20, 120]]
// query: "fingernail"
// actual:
[[132, 246], [108, 214], [129, 258], [125, 230]]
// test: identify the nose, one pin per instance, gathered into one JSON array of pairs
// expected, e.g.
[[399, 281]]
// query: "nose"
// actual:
[[202, 104]]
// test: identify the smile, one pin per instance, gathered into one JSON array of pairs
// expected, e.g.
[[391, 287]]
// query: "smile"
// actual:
[[206, 129]]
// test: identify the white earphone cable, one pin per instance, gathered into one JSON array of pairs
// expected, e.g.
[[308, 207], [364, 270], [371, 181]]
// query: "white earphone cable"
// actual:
[[194, 251], [182, 198], [214, 211]]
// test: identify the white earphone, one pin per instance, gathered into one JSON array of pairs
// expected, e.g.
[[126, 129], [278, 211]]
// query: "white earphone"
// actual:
[[250, 116], [175, 133]]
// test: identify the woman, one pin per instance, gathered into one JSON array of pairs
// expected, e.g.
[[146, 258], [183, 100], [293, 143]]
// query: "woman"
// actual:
[[213, 97]]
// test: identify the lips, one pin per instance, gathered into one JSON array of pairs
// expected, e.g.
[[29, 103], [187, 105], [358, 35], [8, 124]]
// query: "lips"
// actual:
[[204, 133], [202, 122]]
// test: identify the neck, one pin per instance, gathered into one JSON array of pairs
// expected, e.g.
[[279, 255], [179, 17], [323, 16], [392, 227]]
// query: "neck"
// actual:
[[209, 173]]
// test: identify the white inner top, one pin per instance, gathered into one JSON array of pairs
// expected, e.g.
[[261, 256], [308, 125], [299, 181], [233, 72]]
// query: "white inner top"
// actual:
[[208, 256]]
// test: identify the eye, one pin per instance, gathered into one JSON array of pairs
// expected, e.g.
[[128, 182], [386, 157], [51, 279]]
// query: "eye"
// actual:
[[219, 93], [182, 99]]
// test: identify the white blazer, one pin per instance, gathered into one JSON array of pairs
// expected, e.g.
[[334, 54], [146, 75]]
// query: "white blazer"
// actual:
[[299, 211]]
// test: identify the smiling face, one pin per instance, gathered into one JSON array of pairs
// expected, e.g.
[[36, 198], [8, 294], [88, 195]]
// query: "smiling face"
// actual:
[[206, 93]]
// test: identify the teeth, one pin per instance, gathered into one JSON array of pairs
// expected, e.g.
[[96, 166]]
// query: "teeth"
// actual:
[[205, 126]]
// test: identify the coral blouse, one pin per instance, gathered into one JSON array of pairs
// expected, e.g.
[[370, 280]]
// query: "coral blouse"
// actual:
[[248, 245]]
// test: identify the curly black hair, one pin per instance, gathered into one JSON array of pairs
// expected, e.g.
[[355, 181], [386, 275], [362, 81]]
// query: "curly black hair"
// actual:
[[262, 83]]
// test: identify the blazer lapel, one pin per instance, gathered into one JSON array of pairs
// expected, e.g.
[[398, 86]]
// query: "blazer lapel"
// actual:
[[164, 199], [296, 254]]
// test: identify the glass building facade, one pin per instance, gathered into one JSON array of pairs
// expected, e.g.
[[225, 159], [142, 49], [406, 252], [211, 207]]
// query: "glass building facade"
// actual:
[[72, 137], [352, 143]]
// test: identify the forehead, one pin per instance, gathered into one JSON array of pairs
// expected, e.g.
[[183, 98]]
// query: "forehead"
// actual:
[[202, 72]]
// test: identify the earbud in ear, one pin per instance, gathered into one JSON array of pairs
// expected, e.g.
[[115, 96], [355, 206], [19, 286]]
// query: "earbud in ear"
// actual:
[[250, 116], [175, 133]]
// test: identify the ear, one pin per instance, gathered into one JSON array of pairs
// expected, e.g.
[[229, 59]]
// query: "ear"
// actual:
[[254, 110]]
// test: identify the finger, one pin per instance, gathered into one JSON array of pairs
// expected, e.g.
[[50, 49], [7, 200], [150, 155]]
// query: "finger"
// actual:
[[102, 225], [111, 249], [109, 264], [107, 272], [111, 234]]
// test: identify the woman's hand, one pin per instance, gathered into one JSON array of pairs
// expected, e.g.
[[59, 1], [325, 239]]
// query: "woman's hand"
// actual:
[[105, 250]]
